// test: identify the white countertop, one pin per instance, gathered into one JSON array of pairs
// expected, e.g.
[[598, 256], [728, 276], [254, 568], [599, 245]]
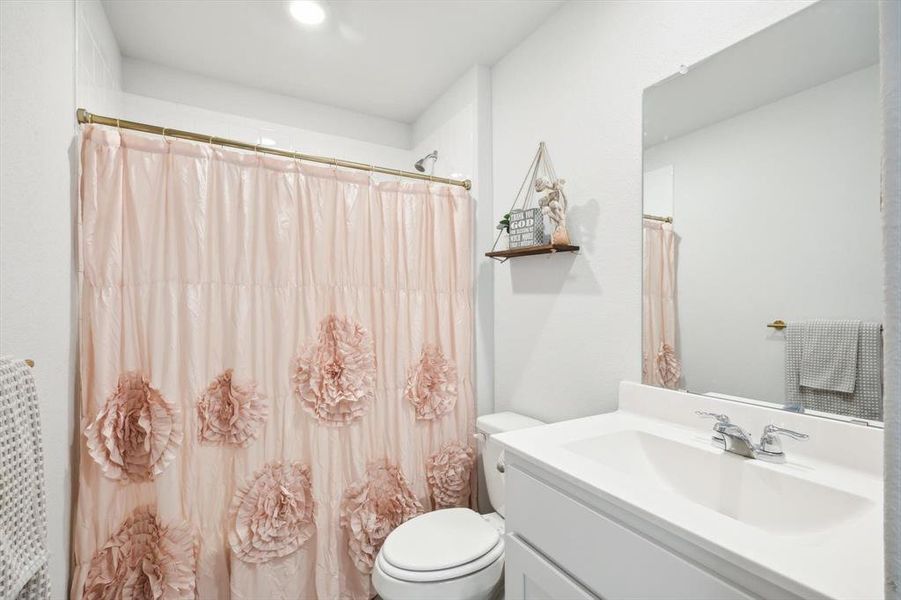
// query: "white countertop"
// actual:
[[841, 560]]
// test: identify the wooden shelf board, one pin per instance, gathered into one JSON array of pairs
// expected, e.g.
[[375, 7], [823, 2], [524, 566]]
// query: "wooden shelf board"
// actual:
[[532, 250]]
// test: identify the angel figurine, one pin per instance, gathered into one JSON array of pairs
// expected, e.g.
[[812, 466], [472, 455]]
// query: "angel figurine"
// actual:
[[553, 204]]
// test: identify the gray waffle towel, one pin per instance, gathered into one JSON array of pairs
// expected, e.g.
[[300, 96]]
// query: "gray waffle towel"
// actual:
[[829, 361], [865, 402], [23, 517]]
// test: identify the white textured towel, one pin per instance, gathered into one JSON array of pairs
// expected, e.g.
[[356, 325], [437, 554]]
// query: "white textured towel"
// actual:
[[23, 516], [829, 358]]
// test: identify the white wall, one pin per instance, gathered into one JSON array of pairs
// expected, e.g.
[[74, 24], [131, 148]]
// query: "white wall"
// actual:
[[483, 194], [37, 78], [99, 66], [449, 126], [442, 120], [155, 81], [777, 217], [254, 130], [568, 327]]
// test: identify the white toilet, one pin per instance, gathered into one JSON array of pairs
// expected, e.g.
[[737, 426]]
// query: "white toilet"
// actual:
[[455, 553]]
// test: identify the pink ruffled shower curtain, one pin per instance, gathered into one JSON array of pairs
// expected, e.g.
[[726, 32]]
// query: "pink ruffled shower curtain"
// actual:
[[275, 369], [660, 365]]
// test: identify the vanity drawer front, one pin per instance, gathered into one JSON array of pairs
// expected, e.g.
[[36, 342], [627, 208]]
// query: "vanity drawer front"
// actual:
[[611, 560], [529, 576]]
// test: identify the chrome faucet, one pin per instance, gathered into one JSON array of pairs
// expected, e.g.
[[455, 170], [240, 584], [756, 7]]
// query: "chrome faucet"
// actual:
[[736, 440]]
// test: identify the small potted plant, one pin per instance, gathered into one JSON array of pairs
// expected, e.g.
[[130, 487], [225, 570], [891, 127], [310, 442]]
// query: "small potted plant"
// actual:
[[504, 224]]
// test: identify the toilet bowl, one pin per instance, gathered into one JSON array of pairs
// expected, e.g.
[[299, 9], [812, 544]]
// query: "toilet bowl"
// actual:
[[453, 553]]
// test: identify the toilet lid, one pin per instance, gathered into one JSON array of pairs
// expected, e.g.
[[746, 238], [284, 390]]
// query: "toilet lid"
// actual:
[[440, 540], [479, 568]]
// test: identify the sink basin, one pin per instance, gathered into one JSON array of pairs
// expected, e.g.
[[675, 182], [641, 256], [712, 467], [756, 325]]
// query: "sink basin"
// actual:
[[736, 487]]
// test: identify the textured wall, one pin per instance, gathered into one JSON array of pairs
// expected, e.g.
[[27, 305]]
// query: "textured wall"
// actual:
[[37, 76], [890, 55], [568, 327], [155, 81], [98, 70]]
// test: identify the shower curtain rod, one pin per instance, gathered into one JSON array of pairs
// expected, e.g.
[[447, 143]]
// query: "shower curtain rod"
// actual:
[[656, 218], [86, 117]]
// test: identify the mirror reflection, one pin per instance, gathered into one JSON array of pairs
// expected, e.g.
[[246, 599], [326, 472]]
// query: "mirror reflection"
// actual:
[[762, 259]]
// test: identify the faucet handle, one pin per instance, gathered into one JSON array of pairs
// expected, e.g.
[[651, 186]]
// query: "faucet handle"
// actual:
[[722, 422], [771, 429], [771, 445], [721, 418]]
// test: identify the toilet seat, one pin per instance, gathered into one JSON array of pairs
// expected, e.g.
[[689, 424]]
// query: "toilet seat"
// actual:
[[441, 545], [496, 553]]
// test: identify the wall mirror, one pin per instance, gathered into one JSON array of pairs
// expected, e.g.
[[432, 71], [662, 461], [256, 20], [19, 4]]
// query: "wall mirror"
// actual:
[[762, 268]]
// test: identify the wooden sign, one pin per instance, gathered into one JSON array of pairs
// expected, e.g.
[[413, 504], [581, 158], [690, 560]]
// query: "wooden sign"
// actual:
[[526, 228]]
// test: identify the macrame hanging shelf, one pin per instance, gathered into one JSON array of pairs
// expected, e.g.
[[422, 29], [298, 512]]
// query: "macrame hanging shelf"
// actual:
[[532, 214]]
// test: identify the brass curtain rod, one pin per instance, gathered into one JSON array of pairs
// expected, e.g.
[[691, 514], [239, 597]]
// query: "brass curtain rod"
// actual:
[[86, 117], [656, 218]]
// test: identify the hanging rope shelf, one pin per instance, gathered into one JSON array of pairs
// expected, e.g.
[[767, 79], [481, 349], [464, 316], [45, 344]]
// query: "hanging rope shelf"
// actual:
[[525, 223]]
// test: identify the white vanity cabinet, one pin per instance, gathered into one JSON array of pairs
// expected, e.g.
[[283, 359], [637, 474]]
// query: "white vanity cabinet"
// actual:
[[560, 548], [531, 575], [638, 504]]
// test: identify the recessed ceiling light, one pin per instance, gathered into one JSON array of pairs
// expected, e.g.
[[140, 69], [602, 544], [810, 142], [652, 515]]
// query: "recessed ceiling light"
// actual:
[[307, 12]]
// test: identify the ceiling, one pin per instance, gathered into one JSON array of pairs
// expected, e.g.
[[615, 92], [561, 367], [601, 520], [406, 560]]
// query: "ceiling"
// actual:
[[816, 45], [390, 58]]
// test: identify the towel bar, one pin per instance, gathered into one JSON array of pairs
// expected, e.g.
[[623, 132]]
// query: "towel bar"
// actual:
[[779, 325]]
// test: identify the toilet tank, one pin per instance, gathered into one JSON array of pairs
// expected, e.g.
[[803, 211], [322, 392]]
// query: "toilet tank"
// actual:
[[491, 452]]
